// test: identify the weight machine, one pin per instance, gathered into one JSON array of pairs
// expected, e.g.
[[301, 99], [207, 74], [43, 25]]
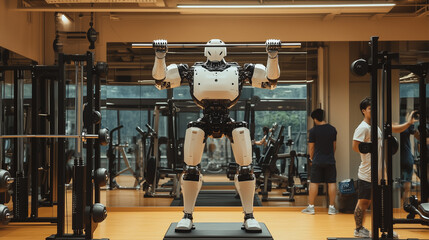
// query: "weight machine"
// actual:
[[154, 171], [48, 127], [382, 203]]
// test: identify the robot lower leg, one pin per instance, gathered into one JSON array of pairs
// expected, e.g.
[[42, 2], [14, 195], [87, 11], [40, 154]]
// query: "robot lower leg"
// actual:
[[191, 185], [245, 184]]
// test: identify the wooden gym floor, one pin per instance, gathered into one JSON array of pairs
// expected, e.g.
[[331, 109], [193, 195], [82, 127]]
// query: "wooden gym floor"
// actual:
[[127, 220], [152, 223]]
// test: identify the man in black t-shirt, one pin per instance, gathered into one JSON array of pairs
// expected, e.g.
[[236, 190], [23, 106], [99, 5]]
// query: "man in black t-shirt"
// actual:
[[321, 146]]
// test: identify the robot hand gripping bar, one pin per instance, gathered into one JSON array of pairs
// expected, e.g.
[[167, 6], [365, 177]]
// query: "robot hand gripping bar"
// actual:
[[165, 77]]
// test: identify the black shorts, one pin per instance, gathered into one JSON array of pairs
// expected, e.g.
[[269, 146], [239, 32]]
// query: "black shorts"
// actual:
[[323, 173], [364, 190]]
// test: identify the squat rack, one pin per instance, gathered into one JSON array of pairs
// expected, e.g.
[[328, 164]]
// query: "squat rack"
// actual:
[[86, 212]]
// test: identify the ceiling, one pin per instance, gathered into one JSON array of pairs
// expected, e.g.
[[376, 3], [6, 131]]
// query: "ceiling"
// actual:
[[402, 7]]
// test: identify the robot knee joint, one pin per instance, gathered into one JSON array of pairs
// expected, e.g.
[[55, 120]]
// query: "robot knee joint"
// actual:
[[245, 173], [192, 173]]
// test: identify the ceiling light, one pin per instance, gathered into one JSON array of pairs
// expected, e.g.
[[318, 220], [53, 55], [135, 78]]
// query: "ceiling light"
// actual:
[[66, 19], [291, 6]]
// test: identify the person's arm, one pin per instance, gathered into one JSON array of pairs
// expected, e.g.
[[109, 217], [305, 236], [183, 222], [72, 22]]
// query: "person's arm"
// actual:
[[355, 146], [260, 142], [401, 127], [311, 149], [335, 145], [359, 137], [398, 128], [311, 142]]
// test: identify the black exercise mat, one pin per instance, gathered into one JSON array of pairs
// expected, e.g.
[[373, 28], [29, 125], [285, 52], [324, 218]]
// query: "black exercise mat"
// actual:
[[215, 198], [211, 231]]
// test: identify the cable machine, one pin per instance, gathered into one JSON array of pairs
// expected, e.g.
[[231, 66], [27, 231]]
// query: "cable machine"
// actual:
[[48, 114], [382, 203]]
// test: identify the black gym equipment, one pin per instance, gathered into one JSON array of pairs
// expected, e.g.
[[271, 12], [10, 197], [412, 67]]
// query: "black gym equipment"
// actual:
[[267, 172], [40, 160], [115, 153], [143, 154], [48, 136], [212, 198], [414, 207], [174, 159], [91, 35], [382, 205], [86, 212], [111, 157], [5, 182]]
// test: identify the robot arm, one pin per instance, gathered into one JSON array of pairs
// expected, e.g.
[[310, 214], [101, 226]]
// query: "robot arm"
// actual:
[[165, 77], [267, 77]]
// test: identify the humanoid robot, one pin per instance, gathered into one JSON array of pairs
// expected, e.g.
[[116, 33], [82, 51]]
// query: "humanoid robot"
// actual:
[[215, 86]]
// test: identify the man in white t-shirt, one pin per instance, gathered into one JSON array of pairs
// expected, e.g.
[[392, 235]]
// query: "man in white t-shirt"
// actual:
[[363, 134]]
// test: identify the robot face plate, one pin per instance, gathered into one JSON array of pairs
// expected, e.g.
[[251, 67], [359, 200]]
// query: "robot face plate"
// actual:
[[215, 54]]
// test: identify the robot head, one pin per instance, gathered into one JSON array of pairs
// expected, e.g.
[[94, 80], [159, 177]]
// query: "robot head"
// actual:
[[215, 54]]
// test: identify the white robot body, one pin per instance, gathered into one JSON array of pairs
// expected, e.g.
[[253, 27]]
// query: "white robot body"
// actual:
[[194, 146], [215, 54], [242, 146], [273, 69], [159, 69], [190, 190], [259, 78], [246, 190], [216, 84], [171, 76]]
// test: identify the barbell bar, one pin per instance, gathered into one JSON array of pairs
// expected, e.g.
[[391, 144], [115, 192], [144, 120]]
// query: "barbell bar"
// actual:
[[198, 45], [51, 136], [103, 136]]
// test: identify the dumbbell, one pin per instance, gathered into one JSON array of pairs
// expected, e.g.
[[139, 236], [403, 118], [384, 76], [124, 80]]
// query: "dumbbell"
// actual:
[[5, 214], [101, 69], [101, 177], [103, 136], [5, 180], [96, 117], [99, 212], [359, 67]]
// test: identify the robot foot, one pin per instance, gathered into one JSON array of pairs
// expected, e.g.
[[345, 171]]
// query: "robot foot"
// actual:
[[250, 224], [185, 224]]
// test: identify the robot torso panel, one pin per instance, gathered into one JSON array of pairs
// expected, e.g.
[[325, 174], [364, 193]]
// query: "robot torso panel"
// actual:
[[212, 85], [215, 84]]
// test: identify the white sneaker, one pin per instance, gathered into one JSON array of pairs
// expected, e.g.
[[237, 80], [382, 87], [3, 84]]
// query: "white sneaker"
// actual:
[[362, 232], [251, 225], [309, 210], [185, 224], [332, 210]]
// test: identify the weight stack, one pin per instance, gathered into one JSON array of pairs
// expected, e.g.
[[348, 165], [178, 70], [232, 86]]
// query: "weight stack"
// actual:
[[78, 198], [20, 210]]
